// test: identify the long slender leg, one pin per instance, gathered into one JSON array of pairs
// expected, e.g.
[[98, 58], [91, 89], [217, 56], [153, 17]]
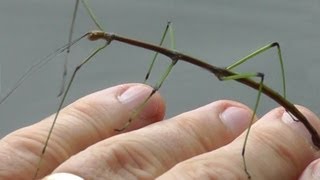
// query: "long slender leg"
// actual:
[[156, 54], [94, 19], [74, 16], [136, 112], [260, 75], [259, 51], [65, 65], [241, 76], [61, 104]]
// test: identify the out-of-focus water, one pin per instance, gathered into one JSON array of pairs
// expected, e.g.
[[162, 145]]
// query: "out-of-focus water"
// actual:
[[219, 32]]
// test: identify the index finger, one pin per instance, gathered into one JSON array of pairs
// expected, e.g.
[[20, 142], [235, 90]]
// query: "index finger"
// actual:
[[80, 125]]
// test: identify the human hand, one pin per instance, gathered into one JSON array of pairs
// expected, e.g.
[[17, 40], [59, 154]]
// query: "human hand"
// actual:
[[205, 143]]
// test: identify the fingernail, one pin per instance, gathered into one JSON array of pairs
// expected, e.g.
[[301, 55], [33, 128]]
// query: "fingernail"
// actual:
[[62, 176], [296, 126], [134, 96], [236, 119]]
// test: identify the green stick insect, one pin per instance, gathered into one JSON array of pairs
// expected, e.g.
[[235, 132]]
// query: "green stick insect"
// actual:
[[223, 74]]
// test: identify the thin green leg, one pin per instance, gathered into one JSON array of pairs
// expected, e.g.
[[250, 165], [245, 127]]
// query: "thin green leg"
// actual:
[[156, 54], [65, 64], [172, 39], [242, 76], [261, 76], [61, 104], [259, 51], [137, 110], [168, 28], [275, 44], [74, 15], [93, 17]]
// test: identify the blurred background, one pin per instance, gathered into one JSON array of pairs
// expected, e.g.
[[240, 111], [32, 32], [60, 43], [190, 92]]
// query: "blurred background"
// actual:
[[218, 32]]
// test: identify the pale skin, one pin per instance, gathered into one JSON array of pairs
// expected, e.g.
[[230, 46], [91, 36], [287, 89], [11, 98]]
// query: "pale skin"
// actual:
[[204, 143]]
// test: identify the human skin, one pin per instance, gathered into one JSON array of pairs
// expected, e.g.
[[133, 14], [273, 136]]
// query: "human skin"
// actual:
[[204, 143]]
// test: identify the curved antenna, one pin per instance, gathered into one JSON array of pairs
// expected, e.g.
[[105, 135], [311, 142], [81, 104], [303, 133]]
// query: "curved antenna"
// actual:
[[37, 65], [92, 15]]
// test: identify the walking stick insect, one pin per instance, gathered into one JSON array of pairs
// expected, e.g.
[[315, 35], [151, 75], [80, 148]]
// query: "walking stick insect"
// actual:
[[175, 56]]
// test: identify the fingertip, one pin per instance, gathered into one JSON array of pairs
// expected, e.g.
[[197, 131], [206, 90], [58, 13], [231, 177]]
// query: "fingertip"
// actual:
[[283, 141], [312, 172], [236, 119], [116, 105]]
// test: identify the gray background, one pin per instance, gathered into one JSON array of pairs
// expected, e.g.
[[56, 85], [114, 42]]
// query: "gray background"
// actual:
[[219, 32]]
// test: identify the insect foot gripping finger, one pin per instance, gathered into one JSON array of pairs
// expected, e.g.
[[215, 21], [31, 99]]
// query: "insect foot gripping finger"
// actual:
[[292, 116], [314, 134], [125, 126]]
